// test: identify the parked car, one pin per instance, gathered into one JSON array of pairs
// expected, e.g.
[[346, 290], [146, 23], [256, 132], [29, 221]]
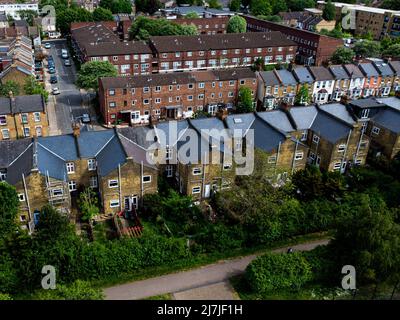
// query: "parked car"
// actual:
[[64, 54], [38, 66], [51, 64], [47, 45], [52, 70], [55, 91], [67, 63], [85, 118], [53, 79], [50, 58]]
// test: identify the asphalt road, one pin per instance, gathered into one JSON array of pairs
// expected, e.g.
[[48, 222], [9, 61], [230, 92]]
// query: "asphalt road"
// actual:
[[69, 104], [195, 278]]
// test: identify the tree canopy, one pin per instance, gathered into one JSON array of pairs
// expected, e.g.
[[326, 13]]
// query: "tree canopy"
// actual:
[[329, 11], [260, 7], [343, 55], [245, 100], [9, 205], [148, 6], [90, 72], [367, 48], [117, 6], [102, 14], [237, 24], [142, 28]]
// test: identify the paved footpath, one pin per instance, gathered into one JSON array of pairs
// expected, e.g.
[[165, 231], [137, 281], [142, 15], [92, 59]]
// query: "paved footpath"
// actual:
[[195, 278]]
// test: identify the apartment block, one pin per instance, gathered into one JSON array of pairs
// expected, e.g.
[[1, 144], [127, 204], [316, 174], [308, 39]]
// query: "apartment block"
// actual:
[[137, 100], [182, 53], [313, 48]]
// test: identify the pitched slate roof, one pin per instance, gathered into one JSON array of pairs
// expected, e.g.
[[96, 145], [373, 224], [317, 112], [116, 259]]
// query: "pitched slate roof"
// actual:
[[138, 135], [270, 78], [353, 71], [395, 66], [383, 68], [90, 143], [170, 131], [241, 122], [339, 72], [368, 69], [110, 157], [16, 156], [266, 137], [220, 41], [61, 146], [22, 104], [392, 102], [339, 111], [49, 163], [134, 151], [303, 75], [330, 129], [389, 119], [321, 73], [366, 103], [286, 77], [277, 119], [303, 116]]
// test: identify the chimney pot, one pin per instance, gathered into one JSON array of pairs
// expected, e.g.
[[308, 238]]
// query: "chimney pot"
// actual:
[[76, 130]]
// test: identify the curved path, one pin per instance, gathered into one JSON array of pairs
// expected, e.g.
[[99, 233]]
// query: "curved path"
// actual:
[[195, 278]]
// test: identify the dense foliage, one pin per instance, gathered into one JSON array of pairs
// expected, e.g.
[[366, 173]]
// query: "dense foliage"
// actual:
[[343, 55], [143, 28], [236, 24], [90, 72], [245, 100], [278, 271]]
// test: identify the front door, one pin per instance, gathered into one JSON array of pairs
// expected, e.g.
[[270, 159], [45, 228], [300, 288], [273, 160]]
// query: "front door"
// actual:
[[343, 167], [318, 161], [130, 202], [38, 131]]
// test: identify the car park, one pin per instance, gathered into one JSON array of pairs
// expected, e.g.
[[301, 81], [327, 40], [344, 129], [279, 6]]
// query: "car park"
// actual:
[[53, 79], [55, 91]]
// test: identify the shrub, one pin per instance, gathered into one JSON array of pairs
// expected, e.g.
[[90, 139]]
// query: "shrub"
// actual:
[[278, 271]]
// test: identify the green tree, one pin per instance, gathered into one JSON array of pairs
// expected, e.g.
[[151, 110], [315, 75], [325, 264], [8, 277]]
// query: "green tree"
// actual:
[[88, 204], [278, 6], [31, 86], [369, 239], [274, 18], [303, 96], [260, 7], [391, 4], [236, 24], [274, 271], [72, 14], [192, 15], [9, 86], [214, 4], [28, 16], [329, 11], [393, 51], [367, 48], [343, 55], [90, 72], [300, 5], [234, 5], [102, 14], [245, 100], [5, 296], [9, 205]]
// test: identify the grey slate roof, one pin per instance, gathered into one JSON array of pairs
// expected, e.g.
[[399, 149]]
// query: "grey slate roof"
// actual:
[[392, 102], [21, 104], [278, 120], [286, 77], [270, 78], [389, 119], [339, 111], [353, 71], [383, 68], [110, 157], [321, 73], [395, 66], [91, 142], [50, 164], [134, 151], [5, 106], [368, 69], [303, 116], [62, 146], [303, 75], [138, 135], [266, 137], [171, 130], [339, 72], [329, 128], [366, 103], [16, 156], [241, 122]]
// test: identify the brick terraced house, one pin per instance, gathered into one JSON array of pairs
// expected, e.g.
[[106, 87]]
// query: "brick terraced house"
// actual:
[[23, 116], [181, 53], [134, 100], [97, 42]]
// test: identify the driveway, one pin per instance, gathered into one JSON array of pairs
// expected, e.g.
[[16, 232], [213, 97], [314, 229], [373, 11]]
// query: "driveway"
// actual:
[[181, 281]]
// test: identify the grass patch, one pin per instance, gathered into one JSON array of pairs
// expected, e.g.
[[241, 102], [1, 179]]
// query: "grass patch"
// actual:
[[201, 260], [166, 296]]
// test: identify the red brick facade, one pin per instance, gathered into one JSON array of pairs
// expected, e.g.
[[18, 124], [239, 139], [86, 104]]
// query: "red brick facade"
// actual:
[[313, 48], [170, 96]]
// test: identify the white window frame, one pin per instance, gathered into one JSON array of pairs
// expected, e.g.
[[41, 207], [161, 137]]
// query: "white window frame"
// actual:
[[113, 183], [70, 167]]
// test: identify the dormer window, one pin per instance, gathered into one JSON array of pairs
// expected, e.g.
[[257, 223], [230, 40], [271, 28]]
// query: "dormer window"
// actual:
[[364, 113]]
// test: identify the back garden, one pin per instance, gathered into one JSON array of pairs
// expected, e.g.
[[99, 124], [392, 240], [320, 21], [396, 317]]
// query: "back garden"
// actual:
[[360, 210]]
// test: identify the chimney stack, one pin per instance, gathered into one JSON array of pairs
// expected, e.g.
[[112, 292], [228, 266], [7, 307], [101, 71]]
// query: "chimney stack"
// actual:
[[11, 95], [344, 100], [222, 113], [76, 130]]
